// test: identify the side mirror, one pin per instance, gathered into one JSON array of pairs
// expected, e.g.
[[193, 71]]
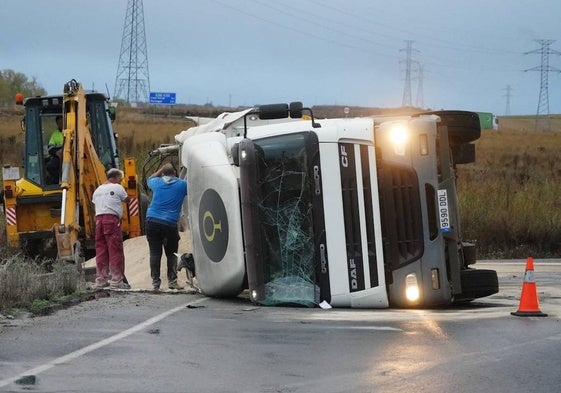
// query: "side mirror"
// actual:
[[295, 110], [22, 125]]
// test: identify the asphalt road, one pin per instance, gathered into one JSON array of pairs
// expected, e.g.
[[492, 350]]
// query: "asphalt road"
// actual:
[[142, 342]]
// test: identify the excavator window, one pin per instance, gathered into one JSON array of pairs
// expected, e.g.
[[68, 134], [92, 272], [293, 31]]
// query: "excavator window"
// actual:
[[42, 164], [101, 132], [34, 150], [51, 129]]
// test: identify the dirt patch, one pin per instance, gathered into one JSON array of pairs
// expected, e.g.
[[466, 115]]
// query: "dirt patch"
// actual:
[[137, 262]]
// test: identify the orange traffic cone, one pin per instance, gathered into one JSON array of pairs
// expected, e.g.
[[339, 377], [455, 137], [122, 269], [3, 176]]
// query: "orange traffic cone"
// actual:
[[529, 306]]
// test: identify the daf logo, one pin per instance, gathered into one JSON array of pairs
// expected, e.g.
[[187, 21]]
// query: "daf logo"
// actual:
[[352, 274], [213, 225]]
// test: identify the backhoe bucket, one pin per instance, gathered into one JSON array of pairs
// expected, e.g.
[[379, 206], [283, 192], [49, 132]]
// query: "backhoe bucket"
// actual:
[[64, 243]]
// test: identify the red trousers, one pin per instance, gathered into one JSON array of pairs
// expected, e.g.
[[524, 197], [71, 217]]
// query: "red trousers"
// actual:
[[109, 255]]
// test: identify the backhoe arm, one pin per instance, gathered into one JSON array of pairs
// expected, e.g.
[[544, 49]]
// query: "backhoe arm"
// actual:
[[82, 173]]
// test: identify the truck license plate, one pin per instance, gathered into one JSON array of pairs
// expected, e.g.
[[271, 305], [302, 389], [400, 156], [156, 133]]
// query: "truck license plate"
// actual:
[[443, 211]]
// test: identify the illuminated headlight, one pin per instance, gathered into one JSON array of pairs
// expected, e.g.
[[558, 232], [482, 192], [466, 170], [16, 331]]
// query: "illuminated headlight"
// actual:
[[243, 154], [254, 295], [399, 137], [411, 287]]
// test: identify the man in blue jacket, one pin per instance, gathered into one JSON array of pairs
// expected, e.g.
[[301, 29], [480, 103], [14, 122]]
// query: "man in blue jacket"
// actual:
[[162, 216]]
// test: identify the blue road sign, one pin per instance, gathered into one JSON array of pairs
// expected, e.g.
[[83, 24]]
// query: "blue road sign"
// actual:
[[162, 98]]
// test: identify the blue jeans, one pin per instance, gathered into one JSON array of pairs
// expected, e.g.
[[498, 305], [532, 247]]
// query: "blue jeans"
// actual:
[[160, 237]]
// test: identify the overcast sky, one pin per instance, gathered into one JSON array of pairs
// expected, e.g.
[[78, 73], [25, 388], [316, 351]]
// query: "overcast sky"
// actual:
[[248, 52]]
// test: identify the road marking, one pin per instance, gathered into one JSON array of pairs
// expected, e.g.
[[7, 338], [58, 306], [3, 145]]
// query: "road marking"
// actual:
[[100, 344], [387, 328], [549, 262]]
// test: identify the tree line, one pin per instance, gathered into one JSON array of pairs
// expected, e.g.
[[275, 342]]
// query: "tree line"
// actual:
[[12, 82]]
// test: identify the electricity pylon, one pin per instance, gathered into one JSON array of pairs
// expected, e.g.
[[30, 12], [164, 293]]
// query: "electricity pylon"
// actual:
[[408, 64], [508, 94], [542, 115], [132, 83], [419, 103]]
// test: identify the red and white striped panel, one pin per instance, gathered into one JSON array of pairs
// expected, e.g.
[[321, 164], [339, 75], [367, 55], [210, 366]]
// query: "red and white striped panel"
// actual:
[[133, 207], [11, 216]]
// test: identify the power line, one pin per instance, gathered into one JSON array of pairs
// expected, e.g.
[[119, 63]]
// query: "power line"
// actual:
[[397, 31], [542, 114], [273, 21], [132, 83], [341, 27]]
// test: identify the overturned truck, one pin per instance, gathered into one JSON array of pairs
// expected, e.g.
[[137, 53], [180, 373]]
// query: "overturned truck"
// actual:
[[355, 212]]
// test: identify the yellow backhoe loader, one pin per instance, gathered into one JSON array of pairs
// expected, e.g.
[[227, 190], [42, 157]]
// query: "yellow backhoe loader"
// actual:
[[49, 210]]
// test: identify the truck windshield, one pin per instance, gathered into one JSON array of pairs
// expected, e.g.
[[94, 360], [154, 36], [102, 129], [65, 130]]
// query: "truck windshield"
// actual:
[[285, 210]]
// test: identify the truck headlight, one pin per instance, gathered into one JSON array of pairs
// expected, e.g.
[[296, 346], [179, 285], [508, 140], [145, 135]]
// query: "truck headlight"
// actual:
[[399, 137], [411, 287]]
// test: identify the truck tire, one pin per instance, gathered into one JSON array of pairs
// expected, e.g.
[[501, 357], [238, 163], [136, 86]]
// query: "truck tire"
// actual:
[[477, 283], [463, 126]]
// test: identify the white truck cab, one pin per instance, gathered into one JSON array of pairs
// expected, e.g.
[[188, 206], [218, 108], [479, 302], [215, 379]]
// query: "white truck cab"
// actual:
[[356, 212]]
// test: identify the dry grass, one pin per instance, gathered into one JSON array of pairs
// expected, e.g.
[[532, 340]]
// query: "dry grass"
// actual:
[[139, 133], [509, 198], [27, 283]]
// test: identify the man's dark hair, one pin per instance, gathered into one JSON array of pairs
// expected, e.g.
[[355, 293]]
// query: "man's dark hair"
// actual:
[[168, 170]]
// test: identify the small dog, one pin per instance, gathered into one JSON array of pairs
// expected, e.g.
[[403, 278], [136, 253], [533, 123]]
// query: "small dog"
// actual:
[[186, 261]]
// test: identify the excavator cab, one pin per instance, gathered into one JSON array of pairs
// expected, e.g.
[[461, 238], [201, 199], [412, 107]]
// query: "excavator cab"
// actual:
[[42, 160]]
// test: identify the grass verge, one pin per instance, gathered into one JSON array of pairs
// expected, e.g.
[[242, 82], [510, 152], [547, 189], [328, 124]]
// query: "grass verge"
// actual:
[[28, 284]]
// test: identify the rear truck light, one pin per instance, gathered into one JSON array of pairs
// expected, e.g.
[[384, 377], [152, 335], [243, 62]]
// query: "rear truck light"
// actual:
[[131, 182], [399, 137]]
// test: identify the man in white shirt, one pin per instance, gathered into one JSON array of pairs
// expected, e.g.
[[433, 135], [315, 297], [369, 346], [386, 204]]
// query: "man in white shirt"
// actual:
[[109, 256]]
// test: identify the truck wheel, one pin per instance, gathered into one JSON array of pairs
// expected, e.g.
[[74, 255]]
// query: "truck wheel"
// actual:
[[463, 126], [477, 283]]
